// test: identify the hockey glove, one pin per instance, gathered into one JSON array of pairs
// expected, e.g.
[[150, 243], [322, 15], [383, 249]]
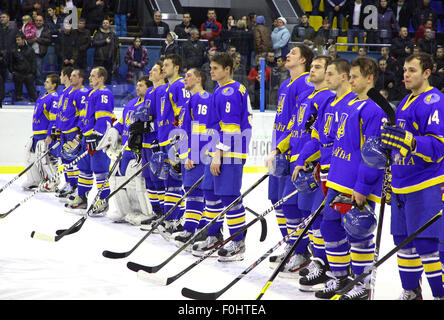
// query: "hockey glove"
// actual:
[[92, 142], [398, 139]]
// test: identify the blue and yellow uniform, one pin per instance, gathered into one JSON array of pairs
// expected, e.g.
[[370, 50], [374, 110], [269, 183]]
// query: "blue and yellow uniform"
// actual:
[[417, 182]]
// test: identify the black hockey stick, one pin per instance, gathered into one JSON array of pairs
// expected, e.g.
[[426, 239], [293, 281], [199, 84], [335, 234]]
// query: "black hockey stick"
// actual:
[[263, 224], [29, 167], [163, 281], [152, 269], [39, 188], [192, 294], [120, 255], [387, 256]]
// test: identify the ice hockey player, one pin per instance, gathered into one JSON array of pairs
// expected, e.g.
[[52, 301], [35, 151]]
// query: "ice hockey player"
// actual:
[[38, 144], [131, 202], [323, 133], [298, 62], [363, 119], [73, 101], [417, 141], [93, 124]]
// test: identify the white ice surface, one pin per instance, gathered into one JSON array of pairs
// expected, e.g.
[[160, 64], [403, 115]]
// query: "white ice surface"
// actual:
[[74, 267]]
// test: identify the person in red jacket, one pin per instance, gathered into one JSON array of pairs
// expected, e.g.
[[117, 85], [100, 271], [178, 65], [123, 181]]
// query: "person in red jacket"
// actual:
[[211, 28]]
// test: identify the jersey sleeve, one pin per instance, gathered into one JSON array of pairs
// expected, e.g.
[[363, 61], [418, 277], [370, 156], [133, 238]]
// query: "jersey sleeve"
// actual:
[[103, 111]]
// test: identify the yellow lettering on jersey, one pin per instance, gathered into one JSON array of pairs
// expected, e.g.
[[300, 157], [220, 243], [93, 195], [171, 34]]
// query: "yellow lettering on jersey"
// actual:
[[342, 154]]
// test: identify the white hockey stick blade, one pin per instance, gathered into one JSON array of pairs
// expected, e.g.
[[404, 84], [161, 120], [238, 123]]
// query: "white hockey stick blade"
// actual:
[[42, 236], [153, 278]]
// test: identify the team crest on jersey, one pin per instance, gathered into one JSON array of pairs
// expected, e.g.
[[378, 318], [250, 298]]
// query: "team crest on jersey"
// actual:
[[227, 91], [328, 122], [301, 113], [280, 105], [431, 98], [341, 129], [129, 118], [204, 95]]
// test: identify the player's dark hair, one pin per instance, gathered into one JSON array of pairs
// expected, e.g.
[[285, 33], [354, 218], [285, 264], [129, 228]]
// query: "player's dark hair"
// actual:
[[82, 73], [367, 66], [199, 73], [67, 71], [306, 53], [223, 59], [147, 81], [327, 60], [342, 65], [425, 60], [101, 72], [54, 78], [175, 59]]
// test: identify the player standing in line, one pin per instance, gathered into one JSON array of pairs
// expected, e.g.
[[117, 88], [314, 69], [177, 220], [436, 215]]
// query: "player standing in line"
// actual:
[[322, 137], [349, 175], [74, 100], [192, 120], [94, 117], [132, 202], [230, 118], [298, 63], [302, 204], [153, 102], [41, 138], [417, 141]]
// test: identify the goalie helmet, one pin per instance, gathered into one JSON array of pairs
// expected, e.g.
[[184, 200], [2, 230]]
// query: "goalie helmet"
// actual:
[[143, 114], [281, 165], [305, 182], [159, 165], [373, 154], [359, 223]]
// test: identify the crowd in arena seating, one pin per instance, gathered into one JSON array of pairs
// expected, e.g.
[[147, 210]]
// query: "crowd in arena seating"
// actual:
[[29, 27]]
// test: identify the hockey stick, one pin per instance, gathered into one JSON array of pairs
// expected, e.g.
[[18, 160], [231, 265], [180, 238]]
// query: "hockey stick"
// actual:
[[163, 281], [29, 167], [263, 224], [192, 294], [152, 269], [97, 202], [39, 188], [120, 255], [387, 256], [374, 95]]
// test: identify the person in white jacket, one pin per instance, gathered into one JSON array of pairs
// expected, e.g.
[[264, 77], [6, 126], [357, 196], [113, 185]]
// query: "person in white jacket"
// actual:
[[280, 38]]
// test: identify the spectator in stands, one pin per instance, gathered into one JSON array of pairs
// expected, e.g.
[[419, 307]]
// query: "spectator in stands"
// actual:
[[53, 21], [262, 37], [170, 45], [428, 43], [94, 12], [136, 58], [386, 79], [193, 51], [8, 32], [183, 30], [436, 78], [419, 34], [239, 69], [270, 60], [303, 32], [280, 38], [333, 51], [40, 44], [251, 21], [326, 33], [362, 51], [228, 27], [29, 5], [122, 9], [209, 84], [3, 65], [423, 13], [66, 47], [28, 28], [439, 58], [354, 13], [11, 7], [281, 72], [319, 46], [335, 8], [83, 42], [23, 67], [385, 94], [254, 78], [402, 46], [211, 28], [315, 7], [157, 28], [387, 24], [242, 39], [106, 53], [402, 12]]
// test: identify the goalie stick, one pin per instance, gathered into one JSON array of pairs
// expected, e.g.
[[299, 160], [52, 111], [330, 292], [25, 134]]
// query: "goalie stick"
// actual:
[[192, 294], [161, 280], [152, 269], [375, 265], [39, 188], [29, 167]]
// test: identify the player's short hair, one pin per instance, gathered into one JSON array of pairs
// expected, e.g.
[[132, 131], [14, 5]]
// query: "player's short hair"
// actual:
[[200, 74], [306, 53], [327, 60], [342, 65], [367, 66], [66, 71], [54, 78], [223, 59], [147, 81], [101, 72], [175, 59], [82, 73], [425, 60]]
